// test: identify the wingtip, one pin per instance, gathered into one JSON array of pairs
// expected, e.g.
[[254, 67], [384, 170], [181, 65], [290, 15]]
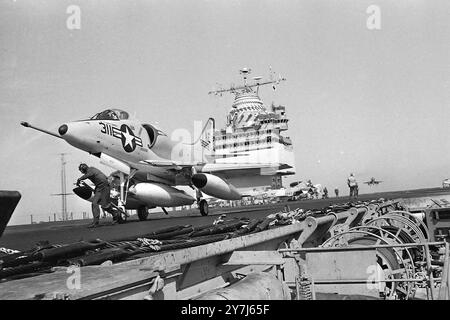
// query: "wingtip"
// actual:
[[25, 124]]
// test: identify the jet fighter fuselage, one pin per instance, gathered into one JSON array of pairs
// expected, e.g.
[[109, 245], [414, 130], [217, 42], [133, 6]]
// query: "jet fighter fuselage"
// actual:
[[146, 154]]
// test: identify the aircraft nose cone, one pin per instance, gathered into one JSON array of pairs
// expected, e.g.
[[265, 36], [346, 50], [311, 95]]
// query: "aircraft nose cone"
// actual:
[[199, 180], [63, 129]]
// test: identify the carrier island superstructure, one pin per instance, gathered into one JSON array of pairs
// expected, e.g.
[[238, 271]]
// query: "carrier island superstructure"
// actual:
[[255, 137]]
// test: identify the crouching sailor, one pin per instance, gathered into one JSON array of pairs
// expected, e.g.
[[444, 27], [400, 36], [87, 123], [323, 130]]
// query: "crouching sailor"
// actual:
[[101, 192]]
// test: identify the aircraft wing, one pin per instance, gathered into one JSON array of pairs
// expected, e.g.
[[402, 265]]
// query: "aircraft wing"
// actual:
[[231, 169], [214, 167], [168, 164], [220, 169]]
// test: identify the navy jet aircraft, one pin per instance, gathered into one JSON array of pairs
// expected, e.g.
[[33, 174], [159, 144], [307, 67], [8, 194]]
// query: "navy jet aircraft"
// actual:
[[372, 181], [149, 164]]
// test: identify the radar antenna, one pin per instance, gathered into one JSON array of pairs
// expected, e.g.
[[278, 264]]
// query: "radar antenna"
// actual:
[[245, 72]]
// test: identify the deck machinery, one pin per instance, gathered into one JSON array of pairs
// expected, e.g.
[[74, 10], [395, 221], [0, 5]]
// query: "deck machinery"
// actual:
[[371, 250]]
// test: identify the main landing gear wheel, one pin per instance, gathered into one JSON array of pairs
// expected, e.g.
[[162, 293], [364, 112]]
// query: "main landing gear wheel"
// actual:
[[119, 215], [122, 218], [142, 213], [203, 206]]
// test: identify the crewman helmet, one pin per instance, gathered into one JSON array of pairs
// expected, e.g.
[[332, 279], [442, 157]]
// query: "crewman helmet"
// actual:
[[83, 167]]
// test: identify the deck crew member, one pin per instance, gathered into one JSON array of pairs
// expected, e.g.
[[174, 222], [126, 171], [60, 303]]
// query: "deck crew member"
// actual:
[[101, 192], [325, 193], [353, 185]]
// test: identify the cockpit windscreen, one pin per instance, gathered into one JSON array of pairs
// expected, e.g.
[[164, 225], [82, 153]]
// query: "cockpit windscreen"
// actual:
[[111, 114]]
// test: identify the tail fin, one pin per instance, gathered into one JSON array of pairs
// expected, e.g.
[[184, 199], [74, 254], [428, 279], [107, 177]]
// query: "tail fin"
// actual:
[[207, 136], [204, 145]]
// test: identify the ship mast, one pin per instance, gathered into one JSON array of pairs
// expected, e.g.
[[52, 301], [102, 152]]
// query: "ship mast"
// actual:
[[63, 194]]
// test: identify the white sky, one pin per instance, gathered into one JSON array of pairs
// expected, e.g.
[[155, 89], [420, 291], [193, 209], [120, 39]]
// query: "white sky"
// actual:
[[373, 102]]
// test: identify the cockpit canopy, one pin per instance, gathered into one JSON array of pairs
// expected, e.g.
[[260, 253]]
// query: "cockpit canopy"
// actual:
[[111, 114]]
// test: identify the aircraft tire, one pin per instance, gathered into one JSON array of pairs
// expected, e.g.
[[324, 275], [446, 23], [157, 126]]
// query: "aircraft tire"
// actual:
[[203, 206], [142, 213], [122, 218]]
